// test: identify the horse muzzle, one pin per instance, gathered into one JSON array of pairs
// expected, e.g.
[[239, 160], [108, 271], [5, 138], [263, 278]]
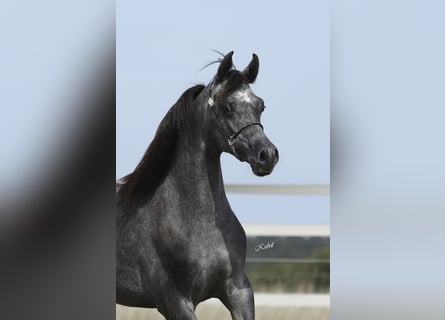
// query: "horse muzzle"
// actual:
[[265, 160]]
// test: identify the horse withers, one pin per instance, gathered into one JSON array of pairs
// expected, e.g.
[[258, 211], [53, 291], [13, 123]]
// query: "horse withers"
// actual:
[[178, 240]]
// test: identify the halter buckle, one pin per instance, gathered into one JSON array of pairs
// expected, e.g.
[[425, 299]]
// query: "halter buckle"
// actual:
[[231, 142]]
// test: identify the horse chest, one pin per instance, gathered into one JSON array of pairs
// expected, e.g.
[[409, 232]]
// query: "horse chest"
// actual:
[[202, 255], [205, 248], [212, 266], [199, 243]]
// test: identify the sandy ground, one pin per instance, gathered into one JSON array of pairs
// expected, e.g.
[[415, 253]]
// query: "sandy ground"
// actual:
[[273, 307]]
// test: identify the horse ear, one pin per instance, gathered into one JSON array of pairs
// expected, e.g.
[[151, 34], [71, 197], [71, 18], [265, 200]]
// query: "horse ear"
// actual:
[[224, 67], [251, 71]]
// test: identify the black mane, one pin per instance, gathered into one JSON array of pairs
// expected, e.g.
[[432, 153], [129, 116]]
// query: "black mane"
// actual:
[[150, 172]]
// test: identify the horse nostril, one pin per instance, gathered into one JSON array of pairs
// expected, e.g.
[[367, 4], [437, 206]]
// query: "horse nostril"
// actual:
[[263, 156]]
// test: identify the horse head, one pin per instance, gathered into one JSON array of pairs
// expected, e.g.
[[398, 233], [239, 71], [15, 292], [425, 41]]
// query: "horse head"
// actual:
[[236, 116]]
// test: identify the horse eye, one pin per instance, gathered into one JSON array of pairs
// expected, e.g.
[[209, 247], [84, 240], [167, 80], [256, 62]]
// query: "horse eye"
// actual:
[[230, 107]]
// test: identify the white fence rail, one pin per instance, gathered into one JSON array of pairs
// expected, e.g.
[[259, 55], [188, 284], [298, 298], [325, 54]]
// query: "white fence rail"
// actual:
[[301, 189], [291, 230]]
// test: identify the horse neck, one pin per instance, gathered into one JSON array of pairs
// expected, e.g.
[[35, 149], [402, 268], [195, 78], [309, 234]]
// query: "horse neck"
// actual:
[[197, 160], [197, 166]]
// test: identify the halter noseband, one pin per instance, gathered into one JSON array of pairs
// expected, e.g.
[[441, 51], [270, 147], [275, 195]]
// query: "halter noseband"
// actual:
[[231, 139]]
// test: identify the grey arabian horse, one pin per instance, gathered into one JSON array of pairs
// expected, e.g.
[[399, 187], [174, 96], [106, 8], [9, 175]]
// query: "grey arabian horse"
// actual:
[[178, 240]]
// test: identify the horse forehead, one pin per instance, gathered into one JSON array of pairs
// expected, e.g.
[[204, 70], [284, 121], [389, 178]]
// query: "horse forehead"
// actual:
[[245, 95]]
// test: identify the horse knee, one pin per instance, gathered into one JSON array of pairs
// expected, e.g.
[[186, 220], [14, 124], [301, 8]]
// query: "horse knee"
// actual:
[[239, 296]]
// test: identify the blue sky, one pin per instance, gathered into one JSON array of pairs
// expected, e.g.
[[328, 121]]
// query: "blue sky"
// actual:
[[160, 50]]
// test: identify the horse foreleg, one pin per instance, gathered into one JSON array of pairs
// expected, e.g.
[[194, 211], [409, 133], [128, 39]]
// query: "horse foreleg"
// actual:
[[238, 298], [177, 308]]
